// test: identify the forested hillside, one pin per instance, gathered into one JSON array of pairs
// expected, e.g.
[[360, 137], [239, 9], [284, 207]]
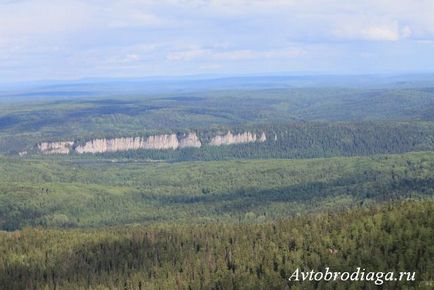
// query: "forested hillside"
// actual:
[[30, 120], [97, 193], [394, 237], [304, 140], [290, 140]]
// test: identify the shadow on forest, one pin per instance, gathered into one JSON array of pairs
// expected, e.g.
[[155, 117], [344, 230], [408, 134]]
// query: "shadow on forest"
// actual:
[[355, 186]]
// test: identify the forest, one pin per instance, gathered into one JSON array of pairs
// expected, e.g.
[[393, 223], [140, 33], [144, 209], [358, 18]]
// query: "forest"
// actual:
[[83, 193], [392, 237], [301, 140], [338, 113], [216, 145], [344, 179]]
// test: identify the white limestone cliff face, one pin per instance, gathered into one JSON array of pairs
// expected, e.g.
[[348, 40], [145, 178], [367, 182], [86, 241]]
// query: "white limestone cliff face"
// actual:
[[62, 147], [156, 142], [166, 141], [109, 145], [229, 138], [161, 142], [191, 140]]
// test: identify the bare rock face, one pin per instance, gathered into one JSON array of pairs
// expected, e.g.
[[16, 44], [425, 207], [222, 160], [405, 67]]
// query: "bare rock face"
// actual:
[[156, 142], [130, 143], [62, 147], [109, 145], [229, 138], [191, 140], [161, 142]]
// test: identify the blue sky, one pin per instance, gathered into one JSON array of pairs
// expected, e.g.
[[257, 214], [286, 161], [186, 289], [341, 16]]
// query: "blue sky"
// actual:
[[72, 39]]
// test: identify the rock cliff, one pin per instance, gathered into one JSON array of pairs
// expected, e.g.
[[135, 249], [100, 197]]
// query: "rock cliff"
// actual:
[[165, 141], [158, 142], [62, 147], [229, 138], [191, 140]]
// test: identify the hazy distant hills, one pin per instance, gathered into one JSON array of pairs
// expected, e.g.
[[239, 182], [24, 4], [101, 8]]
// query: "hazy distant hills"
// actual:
[[109, 108], [137, 86]]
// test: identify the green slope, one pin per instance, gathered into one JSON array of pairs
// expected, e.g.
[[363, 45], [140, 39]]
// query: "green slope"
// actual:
[[96, 193]]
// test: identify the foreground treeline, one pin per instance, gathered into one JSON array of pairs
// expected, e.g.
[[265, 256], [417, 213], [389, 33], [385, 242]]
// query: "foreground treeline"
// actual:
[[82, 194], [394, 237]]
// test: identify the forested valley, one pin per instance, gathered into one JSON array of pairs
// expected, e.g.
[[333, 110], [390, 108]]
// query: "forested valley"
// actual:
[[96, 193]]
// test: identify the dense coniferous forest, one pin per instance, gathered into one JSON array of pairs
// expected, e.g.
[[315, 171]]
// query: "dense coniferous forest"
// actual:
[[394, 237], [96, 193]]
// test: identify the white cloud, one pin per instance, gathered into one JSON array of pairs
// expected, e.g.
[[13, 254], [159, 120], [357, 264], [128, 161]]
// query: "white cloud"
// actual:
[[244, 54], [252, 54], [372, 30], [187, 55], [425, 41], [43, 17], [379, 33], [106, 35], [367, 33], [137, 19]]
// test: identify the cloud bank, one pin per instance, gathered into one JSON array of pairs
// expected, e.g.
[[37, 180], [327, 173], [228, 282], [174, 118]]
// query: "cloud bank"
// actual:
[[41, 39]]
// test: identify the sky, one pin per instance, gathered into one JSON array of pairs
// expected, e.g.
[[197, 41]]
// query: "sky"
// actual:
[[73, 39]]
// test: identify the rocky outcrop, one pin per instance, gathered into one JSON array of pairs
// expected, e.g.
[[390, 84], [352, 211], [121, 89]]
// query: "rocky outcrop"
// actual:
[[229, 138], [165, 141], [109, 145], [62, 147], [161, 142], [156, 142], [191, 140]]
